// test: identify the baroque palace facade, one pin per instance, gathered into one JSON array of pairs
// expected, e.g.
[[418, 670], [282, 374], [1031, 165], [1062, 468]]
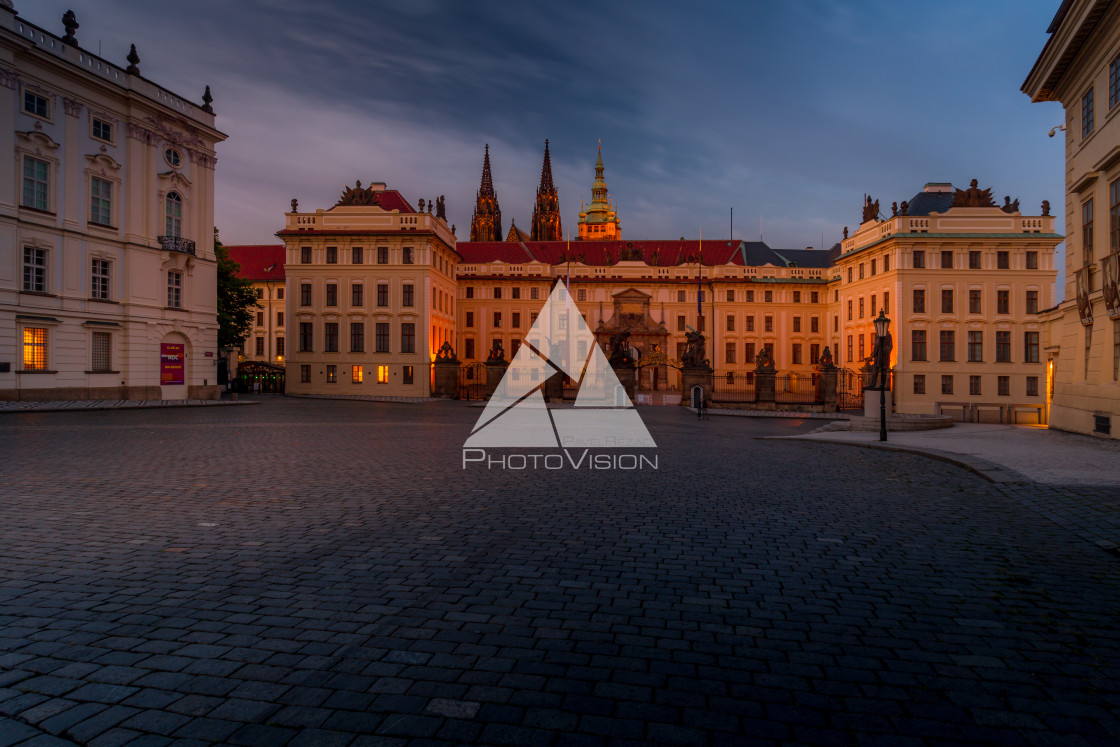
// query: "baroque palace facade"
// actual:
[[370, 290], [374, 287], [1080, 67], [107, 269]]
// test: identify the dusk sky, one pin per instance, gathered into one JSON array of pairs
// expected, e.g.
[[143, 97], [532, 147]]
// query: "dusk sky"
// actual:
[[787, 111]]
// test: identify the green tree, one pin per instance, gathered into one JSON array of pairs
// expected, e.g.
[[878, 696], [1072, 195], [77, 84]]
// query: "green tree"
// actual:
[[237, 300]]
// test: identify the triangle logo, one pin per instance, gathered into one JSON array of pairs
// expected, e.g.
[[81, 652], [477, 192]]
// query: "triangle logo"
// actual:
[[559, 342]]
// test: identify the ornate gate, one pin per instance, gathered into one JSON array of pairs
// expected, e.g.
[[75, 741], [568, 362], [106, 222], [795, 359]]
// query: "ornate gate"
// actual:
[[849, 389], [472, 381]]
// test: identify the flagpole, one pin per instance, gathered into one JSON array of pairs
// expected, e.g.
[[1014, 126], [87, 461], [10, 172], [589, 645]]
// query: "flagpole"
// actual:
[[699, 277]]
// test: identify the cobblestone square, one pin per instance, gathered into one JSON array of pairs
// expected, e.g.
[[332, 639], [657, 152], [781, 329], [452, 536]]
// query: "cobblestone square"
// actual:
[[310, 572]]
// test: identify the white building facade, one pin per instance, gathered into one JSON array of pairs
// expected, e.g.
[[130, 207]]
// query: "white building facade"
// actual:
[[107, 272]]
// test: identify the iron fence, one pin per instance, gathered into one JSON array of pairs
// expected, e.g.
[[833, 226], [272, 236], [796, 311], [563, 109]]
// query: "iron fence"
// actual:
[[796, 389], [472, 381], [733, 387]]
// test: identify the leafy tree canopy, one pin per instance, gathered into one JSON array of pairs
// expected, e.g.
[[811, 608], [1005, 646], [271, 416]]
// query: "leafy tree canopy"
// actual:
[[237, 300]]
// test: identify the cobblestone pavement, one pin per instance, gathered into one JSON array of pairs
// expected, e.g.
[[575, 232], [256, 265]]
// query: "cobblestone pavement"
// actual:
[[311, 572], [109, 404]]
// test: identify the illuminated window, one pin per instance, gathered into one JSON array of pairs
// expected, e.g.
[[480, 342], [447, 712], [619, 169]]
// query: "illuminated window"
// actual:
[[382, 374], [355, 374], [279, 347], [34, 349], [332, 373]]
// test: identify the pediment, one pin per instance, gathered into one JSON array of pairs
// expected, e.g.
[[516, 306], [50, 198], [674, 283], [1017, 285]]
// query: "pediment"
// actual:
[[631, 294], [37, 140], [102, 161]]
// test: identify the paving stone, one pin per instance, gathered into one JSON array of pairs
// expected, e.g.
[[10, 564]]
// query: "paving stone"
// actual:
[[858, 596]]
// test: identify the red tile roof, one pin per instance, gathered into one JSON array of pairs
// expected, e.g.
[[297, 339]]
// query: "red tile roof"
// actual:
[[659, 253], [391, 199], [512, 252], [254, 258]]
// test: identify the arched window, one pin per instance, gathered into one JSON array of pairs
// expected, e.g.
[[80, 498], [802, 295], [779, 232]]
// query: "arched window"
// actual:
[[173, 224]]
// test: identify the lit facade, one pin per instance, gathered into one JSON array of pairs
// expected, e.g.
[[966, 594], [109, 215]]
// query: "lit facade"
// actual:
[[1080, 68], [599, 221], [107, 269], [370, 293], [263, 265], [750, 296], [963, 287]]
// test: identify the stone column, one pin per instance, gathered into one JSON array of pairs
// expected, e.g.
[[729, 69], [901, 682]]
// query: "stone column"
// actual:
[[827, 389], [692, 376], [495, 370], [764, 388], [628, 377], [446, 385]]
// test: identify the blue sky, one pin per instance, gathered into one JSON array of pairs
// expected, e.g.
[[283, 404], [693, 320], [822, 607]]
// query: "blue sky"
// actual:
[[787, 111]]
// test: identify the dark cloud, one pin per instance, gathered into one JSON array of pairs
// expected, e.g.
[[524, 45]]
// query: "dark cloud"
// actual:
[[787, 111]]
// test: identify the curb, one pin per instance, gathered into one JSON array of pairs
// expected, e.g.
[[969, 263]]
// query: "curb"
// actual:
[[990, 471], [786, 414], [116, 408]]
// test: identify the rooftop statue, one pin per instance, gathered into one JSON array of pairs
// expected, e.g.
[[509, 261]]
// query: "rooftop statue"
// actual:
[[973, 196], [870, 209], [356, 195]]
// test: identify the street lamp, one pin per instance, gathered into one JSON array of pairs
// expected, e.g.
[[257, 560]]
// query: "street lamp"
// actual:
[[882, 364]]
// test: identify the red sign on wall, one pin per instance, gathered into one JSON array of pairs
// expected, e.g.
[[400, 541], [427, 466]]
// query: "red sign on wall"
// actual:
[[172, 364]]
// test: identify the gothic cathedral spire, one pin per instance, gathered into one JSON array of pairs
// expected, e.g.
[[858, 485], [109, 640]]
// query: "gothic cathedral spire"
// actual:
[[546, 212], [486, 225]]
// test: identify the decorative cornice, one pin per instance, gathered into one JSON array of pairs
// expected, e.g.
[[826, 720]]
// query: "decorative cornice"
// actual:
[[102, 160], [36, 140]]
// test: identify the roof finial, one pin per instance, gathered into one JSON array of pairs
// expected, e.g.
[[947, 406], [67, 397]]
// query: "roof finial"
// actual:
[[70, 23], [207, 100], [133, 62]]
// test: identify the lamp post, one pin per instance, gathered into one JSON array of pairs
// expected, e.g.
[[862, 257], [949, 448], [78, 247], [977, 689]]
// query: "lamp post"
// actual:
[[882, 362], [268, 285]]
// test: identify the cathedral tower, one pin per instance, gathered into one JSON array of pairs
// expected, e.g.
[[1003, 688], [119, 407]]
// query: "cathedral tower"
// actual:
[[546, 212], [599, 221], [486, 225]]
